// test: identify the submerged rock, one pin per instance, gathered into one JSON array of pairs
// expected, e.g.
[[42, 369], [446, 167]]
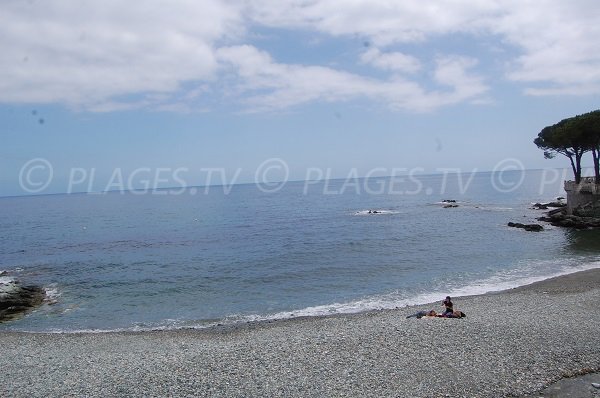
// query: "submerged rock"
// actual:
[[16, 299]]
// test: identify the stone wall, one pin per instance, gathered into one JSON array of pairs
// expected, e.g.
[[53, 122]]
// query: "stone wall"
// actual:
[[583, 199]]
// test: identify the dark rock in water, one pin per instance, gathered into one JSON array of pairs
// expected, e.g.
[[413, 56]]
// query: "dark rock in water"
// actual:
[[545, 206], [534, 227], [450, 206], [559, 218], [16, 299], [526, 227], [448, 201], [555, 211]]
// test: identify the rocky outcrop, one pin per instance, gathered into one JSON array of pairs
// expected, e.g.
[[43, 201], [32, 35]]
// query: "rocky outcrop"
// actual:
[[16, 299], [449, 203], [561, 219], [588, 210], [526, 227], [544, 206]]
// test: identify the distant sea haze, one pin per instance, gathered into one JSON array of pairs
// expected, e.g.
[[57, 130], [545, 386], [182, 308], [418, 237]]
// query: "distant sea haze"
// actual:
[[125, 261]]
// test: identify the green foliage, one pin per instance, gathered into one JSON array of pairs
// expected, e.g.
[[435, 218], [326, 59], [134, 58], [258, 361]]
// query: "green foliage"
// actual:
[[572, 137]]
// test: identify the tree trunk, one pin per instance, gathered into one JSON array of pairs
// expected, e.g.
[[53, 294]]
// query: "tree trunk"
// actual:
[[578, 157], [596, 156], [573, 167]]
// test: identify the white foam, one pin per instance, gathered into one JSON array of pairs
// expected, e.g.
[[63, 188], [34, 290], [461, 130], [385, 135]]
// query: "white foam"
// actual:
[[498, 282], [523, 275], [7, 284], [375, 212], [470, 205], [52, 293]]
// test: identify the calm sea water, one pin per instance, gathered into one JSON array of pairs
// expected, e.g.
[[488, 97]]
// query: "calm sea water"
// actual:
[[131, 261]]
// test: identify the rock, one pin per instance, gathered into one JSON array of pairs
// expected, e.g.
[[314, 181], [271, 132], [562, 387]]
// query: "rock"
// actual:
[[448, 201], [450, 206], [590, 209], [16, 299], [566, 221], [533, 227], [527, 227], [545, 206], [559, 218], [555, 211]]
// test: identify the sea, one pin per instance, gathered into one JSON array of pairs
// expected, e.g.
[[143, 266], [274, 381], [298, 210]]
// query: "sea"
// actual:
[[202, 256]]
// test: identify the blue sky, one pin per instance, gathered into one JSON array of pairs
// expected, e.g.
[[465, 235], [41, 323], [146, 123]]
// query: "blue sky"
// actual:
[[102, 90]]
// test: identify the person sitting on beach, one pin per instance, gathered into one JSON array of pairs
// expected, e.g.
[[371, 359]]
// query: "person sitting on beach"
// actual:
[[449, 306], [421, 314]]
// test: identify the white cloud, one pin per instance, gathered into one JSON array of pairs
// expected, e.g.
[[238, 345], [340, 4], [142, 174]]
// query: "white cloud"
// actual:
[[556, 39], [393, 61], [268, 85], [559, 44], [110, 55], [383, 21], [86, 53]]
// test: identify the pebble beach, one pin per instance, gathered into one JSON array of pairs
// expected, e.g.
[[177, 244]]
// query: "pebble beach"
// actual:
[[513, 343]]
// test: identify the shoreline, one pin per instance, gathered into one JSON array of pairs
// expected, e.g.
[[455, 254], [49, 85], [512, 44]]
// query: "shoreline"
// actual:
[[514, 342], [224, 325]]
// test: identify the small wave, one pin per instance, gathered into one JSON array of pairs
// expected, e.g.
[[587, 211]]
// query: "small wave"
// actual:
[[52, 293], [470, 205], [496, 283], [523, 275], [494, 208]]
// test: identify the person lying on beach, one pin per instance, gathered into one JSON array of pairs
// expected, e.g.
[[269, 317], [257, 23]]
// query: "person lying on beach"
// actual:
[[421, 314], [453, 314], [433, 314]]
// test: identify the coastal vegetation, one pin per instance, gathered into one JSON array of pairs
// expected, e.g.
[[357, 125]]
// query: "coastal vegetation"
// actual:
[[573, 137]]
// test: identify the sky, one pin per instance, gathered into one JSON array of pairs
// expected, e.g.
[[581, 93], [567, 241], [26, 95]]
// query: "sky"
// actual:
[[101, 95]]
